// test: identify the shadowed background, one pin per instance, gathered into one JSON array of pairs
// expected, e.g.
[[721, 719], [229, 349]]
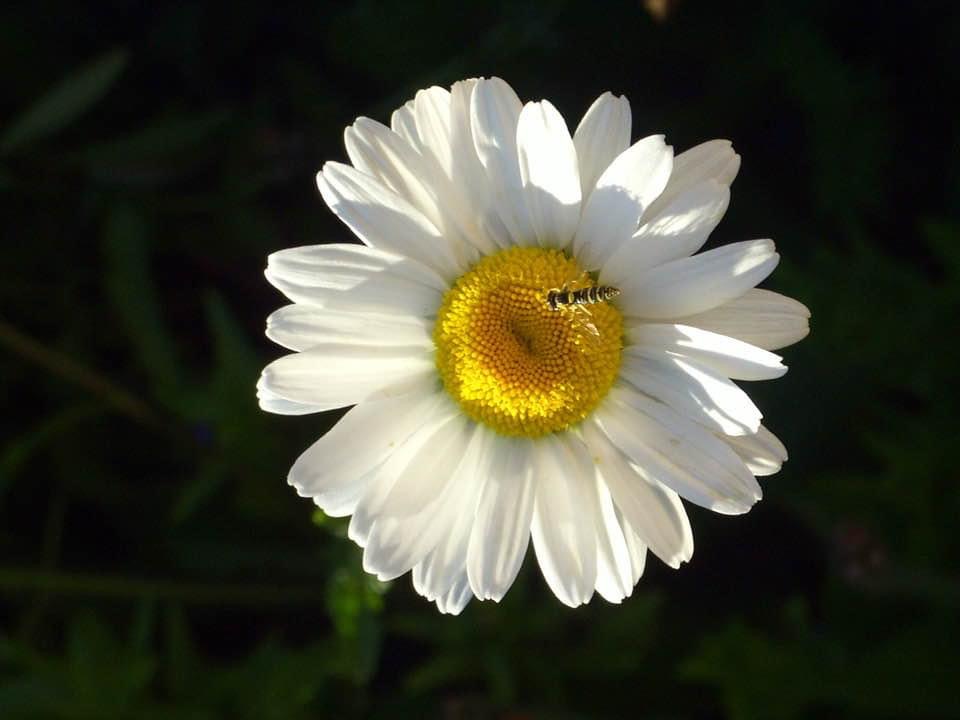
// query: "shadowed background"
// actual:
[[155, 564]]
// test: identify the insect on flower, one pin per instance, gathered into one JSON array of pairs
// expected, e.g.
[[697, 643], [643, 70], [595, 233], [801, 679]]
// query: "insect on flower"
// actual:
[[576, 300]]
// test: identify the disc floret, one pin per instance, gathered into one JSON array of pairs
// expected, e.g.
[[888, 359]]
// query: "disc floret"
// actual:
[[512, 362]]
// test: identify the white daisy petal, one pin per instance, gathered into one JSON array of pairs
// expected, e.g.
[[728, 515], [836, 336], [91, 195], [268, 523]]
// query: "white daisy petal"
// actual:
[[378, 487], [404, 123], [759, 317], [444, 565], [678, 453], [612, 212], [271, 402], [441, 568], [695, 391], [384, 220], [724, 355], [444, 179], [431, 109], [600, 137], [694, 284], [635, 547], [438, 115], [653, 510], [564, 537], [456, 598], [332, 376], [548, 171], [712, 160], [420, 507], [677, 232], [301, 327], [763, 453], [362, 439], [501, 530], [614, 567], [494, 115], [355, 278], [468, 175], [703, 450], [379, 152]]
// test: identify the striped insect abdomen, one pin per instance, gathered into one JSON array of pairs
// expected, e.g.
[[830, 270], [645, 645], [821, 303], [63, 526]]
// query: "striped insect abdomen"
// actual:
[[584, 296]]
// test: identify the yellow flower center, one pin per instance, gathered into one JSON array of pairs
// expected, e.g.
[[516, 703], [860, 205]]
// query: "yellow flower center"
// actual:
[[511, 361]]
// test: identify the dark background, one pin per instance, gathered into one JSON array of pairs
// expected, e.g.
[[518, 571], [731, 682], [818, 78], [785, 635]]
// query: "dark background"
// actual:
[[153, 561]]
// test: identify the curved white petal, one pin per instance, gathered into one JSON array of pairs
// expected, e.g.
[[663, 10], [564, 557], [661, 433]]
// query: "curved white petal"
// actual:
[[301, 327], [332, 376], [712, 160], [442, 177], [494, 115], [694, 284], [501, 529], [355, 278], [403, 122], [614, 567], [271, 402], [725, 355], [603, 133], [456, 598], [653, 510], [384, 220], [678, 453], [549, 173], [440, 569], [379, 152], [763, 453], [431, 108], [415, 449], [423, 503], [438, 115], [636, 548], [469, 178], [759, 317], [612, 212], [679, 231], [564, 537], [695, 391], [363, 438], [445, 564]]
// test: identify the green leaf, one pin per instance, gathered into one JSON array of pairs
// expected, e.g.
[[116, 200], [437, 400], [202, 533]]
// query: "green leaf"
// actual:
[[196, 493], [233, 353], [71, 98], [142, 628], [156, 142], [273, 683], [904, 671], [182, 667], [135, 299], [354, 602], [943, 236], [20, 449], [103, 675]]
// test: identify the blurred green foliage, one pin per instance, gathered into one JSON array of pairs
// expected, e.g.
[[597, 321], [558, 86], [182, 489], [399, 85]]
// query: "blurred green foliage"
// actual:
[[155, 564]]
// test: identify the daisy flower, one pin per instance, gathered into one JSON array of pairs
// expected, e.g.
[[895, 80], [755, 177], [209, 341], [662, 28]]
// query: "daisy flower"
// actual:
[[499, 391]]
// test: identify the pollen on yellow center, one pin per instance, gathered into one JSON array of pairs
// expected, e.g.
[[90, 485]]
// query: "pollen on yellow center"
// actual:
[[510, 361]]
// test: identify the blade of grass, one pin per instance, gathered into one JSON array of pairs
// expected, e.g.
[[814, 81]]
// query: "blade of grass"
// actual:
[[68, 100]]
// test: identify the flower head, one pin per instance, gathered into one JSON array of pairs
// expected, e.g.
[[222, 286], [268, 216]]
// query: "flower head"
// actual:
[[532, 345]]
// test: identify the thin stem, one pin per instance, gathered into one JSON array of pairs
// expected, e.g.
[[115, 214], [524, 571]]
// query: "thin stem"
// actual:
[[64, 367]]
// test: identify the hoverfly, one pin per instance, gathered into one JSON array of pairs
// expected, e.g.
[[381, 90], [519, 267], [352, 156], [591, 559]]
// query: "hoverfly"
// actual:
[[565, 299]]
